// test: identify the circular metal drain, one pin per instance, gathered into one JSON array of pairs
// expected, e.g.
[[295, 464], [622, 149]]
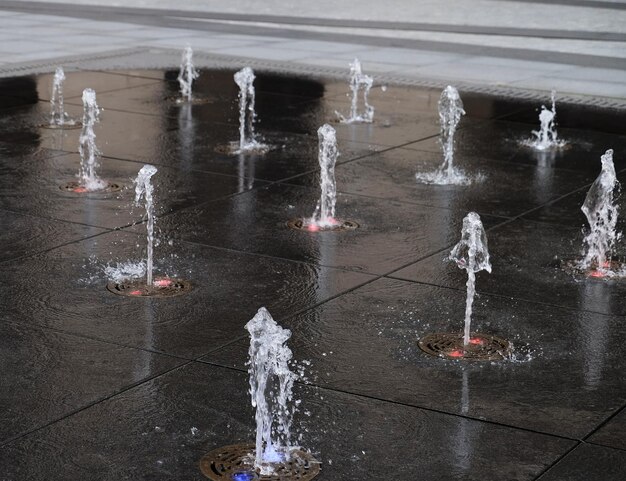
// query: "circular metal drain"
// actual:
[[76, 188], [161, 287], [74, 126], [236, 462], [298, 224], [482, 347]]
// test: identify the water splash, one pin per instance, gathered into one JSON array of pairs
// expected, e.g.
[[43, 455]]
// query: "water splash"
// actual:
[[126, 270], [450, 113], [546, 137], [601, 210], [271, 383], [247, 116], [187, 74], [89, 153], [472, 255], [58, 116], [358, 81], [324, 215], [144, 188]]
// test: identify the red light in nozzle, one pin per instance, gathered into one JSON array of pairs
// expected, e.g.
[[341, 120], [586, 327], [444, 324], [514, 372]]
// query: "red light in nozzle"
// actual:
[[312, 228], [80, 190], [476, 341], [596, 273], [456, 353], [135, 293], [163, 282]]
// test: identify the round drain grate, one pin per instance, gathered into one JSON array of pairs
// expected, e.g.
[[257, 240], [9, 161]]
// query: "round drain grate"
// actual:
[[236, 463], [74, 126], [298, 224], [232, 148], [76, 188], [161, 287], [482, 347]]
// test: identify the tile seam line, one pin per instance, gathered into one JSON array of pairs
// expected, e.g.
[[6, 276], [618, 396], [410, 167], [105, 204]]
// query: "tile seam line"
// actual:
[[50, 249], [606, 421], [78, 335], [504, 296], [91, 404], [598, 444], [406, 405], [557, 461], [62, 8]]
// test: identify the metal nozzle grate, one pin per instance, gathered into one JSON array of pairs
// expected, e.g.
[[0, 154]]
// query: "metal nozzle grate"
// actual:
[[76, 188], [482, 347], [161, 287], [236, 462]]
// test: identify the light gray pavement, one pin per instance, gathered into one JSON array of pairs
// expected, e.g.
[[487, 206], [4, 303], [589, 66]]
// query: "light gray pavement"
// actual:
[[576, 47]]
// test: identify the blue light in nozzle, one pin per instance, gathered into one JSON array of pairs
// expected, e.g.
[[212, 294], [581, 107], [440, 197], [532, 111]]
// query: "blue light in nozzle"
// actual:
[[243, 477]]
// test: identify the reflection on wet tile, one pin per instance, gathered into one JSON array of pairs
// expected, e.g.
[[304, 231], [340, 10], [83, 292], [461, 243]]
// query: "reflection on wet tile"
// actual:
[[65, 289], [350, 435], [46, 375], [36, 188], [390, 234], [381, 408], [527, 259]]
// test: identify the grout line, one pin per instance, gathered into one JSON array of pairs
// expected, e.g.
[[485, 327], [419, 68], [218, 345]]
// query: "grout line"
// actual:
[[605, 422], [557, 461], [91, 404], [399, 403]]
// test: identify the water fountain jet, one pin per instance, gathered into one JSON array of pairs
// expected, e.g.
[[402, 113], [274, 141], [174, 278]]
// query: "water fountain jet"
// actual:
[[324, 219], [450, 113], [186, 76], [248, 141], [546, 138], [271, 382], [472, 255], [88, 179], [601, 210], [59, 119], [358, 82], [150, 286]]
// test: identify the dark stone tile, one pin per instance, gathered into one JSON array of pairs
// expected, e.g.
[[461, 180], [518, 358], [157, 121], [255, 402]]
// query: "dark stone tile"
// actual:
[[566, 211], [33, 187], [583, 117], [582, 153], [483, 139], [145, 433], [390, 127], [65, 289], [612, 433], [588, 462], [390, 234], [77, 81], [505, 189], [501, 140], [185, 140], [23, 235], [526, 257], [47, 375], [365, 342], [421, 101]]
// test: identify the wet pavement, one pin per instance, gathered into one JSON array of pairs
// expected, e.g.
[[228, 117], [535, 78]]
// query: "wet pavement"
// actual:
[[98, 386]]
